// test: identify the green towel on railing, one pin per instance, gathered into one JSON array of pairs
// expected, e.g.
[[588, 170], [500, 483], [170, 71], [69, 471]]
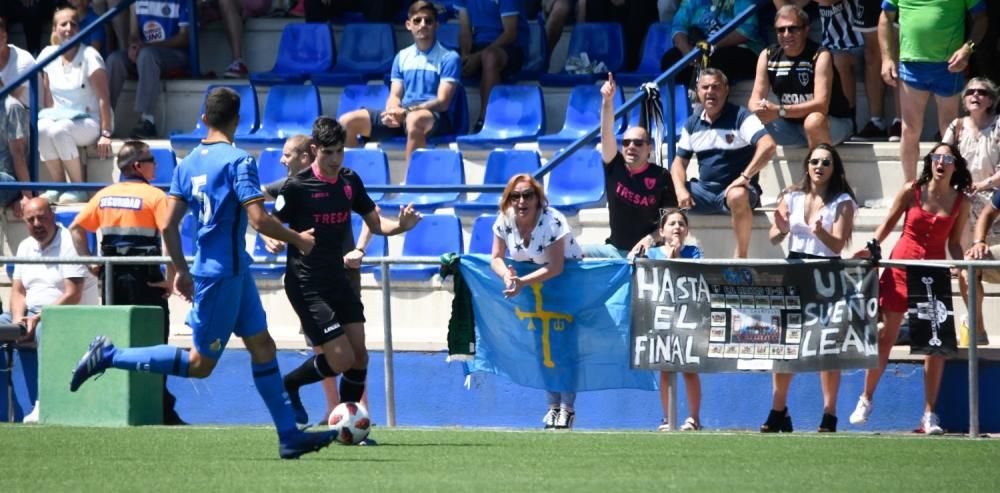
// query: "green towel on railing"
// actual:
[[462, 325]]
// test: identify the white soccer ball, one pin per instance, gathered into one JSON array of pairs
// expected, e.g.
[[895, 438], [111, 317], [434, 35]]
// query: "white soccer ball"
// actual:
[[351, 421]]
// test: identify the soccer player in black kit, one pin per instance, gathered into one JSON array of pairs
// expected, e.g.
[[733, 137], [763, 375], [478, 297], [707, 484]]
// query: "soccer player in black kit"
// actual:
[[322, 197]]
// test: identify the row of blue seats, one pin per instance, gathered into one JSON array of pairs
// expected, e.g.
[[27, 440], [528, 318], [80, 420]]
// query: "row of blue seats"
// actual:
[[515, 113], [576, 184], [307, 51]]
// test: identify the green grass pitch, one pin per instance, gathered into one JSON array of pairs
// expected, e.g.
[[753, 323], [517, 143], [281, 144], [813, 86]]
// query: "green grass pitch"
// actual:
[[50, 458]]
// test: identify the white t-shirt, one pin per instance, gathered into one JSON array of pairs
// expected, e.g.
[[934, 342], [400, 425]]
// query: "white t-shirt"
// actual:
[[20, 61], [550, 228], [43, 283], [69, 81], [802, 239]]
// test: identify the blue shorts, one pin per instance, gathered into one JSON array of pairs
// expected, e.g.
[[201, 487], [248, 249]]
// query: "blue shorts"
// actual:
[[790, 133], [709, 198], [8, 195], [931, 77], [224, 306]]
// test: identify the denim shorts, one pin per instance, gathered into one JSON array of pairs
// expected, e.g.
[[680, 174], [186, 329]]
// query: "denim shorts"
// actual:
[[710, 199], [793, 134]]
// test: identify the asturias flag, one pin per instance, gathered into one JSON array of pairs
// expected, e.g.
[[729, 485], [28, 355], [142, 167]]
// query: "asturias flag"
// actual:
[[569, 334]]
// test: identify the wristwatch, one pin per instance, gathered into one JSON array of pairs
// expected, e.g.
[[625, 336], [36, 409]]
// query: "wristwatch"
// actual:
[[106, 133], [971, 45], [781, 110]]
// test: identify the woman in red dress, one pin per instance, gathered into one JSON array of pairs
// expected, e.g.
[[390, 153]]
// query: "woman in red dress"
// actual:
[[936, 212]]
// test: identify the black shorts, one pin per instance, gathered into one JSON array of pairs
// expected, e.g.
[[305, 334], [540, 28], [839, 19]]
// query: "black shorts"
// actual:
[[324, 307], [866, 14], [442, 126], [515, 59]]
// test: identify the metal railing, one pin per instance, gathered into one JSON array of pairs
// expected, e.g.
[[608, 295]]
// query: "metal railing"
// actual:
[[386, 287]]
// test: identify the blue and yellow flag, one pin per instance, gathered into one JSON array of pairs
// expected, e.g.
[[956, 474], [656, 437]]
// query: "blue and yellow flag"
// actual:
[[569, 334]]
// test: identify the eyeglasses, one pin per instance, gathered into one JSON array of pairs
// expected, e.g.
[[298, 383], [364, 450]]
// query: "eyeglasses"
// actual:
[[975, 91], [423, 20], [788, 29], [820, 162], [943, 158], [526, 195], [633, 142]]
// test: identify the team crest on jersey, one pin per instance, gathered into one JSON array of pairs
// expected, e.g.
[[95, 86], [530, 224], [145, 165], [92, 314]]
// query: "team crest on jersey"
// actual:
[[730, 138], [348, 192], [279, 203], [804, 78], [649, 182]]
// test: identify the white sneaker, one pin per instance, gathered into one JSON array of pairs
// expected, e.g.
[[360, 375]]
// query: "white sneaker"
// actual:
[[664, 426], [931, 424], [32, 417], [691, 424], [564, 421], [549, 420], [861, 411]]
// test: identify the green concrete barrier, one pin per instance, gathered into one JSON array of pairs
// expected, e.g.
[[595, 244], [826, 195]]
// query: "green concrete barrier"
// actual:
[[117, 398]]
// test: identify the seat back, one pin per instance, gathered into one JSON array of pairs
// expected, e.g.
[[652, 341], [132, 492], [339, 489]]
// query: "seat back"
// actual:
[[434, 235], [481, 240], [290, 106], [580, 178], [657, 42], [447, 34], [371, 165], [458, 111], [357, 96], [366, 48], [582, 110], [515, 110], [269, 167], [435, 167], [602, 41], [536, 59], [166, 161], [249, 110], [501, 164], [305, 48]]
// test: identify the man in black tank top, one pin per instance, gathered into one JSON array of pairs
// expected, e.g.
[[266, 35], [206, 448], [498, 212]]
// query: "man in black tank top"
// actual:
[[812, 107]]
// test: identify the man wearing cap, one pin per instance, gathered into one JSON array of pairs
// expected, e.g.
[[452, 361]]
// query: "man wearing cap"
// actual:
[[130, 215]]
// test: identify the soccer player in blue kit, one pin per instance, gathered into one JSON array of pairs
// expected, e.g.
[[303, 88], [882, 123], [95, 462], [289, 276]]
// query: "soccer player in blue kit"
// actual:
[[321, 198], [219, 181]]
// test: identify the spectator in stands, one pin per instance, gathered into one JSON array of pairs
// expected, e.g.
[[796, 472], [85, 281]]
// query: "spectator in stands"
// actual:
[[38, 285], [932, 57], [732, 146], [673, 229], [424, 79], [696, 20], [117, 28], [977, 137], [818, 213], [232, 13], [637, 189], [98, 39], [13, 121], [528, 230], [32, 15], [812, 107], [158, 41], [635, 18], [555, 13], [77, 109], [493, 40], [986, 246], [936, 212], [372, 10], [865, 18], [984, 59]]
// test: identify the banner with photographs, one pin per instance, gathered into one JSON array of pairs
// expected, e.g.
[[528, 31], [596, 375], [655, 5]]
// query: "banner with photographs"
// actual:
[[931, 318], [796, 317]]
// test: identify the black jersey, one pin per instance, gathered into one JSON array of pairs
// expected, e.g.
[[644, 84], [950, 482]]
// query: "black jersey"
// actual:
[[274, 189], [793, 79], [310, 201], [635, 200]]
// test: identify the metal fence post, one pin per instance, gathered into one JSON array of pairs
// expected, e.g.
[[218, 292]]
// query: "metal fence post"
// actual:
[[390, 384], [672, 409], [973, 361], [109, 283]]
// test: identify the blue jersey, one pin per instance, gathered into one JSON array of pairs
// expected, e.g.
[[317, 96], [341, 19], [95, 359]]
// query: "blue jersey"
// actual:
[[161, 20], [421, 72], [687, 251], [217, 180], [485, 16], [97, 35]]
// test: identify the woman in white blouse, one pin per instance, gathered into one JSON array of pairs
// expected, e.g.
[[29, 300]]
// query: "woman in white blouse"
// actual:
[[77, 107], [528, 230]]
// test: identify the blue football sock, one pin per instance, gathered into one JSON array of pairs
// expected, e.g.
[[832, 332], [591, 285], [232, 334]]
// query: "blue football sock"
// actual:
[[267, 378], [162, 359]]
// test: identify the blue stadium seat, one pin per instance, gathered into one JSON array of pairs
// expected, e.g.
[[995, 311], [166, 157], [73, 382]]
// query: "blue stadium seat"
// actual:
[[514, 114], [435, 235], [657, 42], [481, 240], [371, 165], [430, 167], [601, 41], [501, 164], [65, 218], [447, 34], [269, 167], [166, 161], [355, 97], [458, 113], [289, 110], [377, 247], [249, 119], [305, 48], [578, 182], [366, 53], [536, 61], [583, 113], [681, 109]]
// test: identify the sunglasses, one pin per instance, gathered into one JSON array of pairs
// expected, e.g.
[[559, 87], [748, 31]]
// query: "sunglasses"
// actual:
[[821, 162], [788, 29], [423, 20], [526, 195], [633, 142], [943, 158], [975, 91]]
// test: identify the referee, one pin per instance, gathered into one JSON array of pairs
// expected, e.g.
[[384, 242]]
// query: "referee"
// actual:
[[130, 215]]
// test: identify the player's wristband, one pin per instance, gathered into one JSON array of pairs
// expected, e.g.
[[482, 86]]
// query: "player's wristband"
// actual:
[[745, 177], [362, 250]]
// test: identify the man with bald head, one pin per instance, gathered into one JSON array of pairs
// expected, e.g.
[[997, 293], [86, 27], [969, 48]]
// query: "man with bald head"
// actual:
[[38, 285], [637, 189]]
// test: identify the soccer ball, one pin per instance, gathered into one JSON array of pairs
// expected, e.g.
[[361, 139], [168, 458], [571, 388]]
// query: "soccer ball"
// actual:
[[351, 420]]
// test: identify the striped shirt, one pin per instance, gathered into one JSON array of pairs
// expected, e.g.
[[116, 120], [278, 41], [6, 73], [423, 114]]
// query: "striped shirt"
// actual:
[[724, 147]]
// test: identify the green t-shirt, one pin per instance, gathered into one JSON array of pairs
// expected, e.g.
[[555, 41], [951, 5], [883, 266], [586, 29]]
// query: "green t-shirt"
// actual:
[[930, 30]]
